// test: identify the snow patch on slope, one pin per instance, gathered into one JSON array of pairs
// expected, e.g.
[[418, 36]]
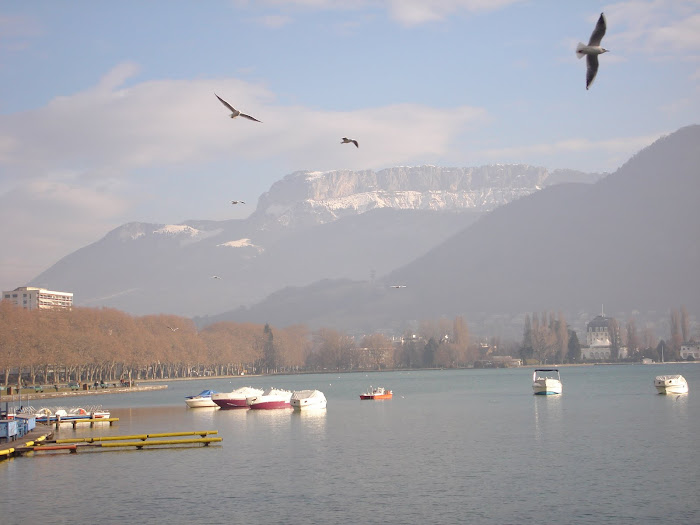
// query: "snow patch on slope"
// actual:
[[177, 229], [241, 243]]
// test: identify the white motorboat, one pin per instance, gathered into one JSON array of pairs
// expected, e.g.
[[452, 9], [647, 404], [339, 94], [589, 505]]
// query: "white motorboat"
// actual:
[[270, 398], [308, 400], [546, 381], [203, 399], [671, 384], [236, 398]]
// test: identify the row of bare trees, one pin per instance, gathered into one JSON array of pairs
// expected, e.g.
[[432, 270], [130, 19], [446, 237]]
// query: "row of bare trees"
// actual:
[[548, 339], [103, 344]]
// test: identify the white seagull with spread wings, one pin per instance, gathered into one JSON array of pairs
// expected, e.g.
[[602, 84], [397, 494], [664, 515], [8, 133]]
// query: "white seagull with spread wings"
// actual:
[[234, 112], [592, 50], [350, 141]]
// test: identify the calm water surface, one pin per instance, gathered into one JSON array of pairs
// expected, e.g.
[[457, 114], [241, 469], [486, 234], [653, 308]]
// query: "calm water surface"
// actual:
[[454, 446]]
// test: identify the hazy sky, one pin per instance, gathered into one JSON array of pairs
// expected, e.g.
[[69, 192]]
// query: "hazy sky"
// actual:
[[108, 114]]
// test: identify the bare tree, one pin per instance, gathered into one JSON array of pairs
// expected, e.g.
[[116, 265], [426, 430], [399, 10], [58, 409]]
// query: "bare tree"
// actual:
[[685, 332]]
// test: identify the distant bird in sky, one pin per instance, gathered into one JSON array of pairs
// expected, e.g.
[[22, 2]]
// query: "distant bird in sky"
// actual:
[[234, 112], [215, 277], [237, 202], [349, 141], [173, 329], [592, 50], [398, 286]]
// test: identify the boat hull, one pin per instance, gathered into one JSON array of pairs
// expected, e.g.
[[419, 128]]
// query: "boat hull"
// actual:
[[547, 388], [270, 405], [228, 403], [377, 396], [201, 402]]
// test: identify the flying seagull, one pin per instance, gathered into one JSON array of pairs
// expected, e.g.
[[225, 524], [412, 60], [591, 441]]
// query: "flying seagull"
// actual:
[[398, 286], [173, 329], [215, 277], [348, 141], [592, 50], [237, 202], [234, 112]]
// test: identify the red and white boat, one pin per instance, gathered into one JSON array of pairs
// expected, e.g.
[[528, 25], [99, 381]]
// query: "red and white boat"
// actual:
[[377, 393], [270, 399], [237, 398]]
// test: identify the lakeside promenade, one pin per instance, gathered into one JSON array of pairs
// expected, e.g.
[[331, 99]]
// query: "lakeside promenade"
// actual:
[[51, 393]]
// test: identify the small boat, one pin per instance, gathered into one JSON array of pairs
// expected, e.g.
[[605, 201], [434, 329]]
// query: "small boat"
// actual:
[[377, 393], [671, 384], [546, 381], [308, 400], [270, 399], [236, 398], [203, 399]]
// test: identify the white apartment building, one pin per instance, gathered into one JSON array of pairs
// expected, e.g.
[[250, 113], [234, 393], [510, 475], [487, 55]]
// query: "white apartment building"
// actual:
[[32, 298]]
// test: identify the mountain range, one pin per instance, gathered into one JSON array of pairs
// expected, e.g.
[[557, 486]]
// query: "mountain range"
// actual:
[[627, 243], [309, 226], [365, 251]]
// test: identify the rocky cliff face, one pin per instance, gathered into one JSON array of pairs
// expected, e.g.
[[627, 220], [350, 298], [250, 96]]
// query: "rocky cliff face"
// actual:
[[307, 197]]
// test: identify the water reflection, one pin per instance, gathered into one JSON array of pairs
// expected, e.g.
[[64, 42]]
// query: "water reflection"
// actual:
[[313, 419], [548, 415]]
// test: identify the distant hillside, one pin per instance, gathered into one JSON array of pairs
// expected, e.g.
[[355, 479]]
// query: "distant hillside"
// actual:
[[309, 226], [629, 241]]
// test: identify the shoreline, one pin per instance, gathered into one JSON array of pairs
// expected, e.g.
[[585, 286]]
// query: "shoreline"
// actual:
[[79, 393], [151, 386]]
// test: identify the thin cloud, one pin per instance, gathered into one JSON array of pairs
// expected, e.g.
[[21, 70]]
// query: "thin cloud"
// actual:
[[414, 12], [608, 150], [274, 21], [658, 28], [405, 12], [78, 214], [167, 123]]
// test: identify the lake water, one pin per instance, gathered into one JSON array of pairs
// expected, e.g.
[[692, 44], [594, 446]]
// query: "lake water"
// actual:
[[452, 446]]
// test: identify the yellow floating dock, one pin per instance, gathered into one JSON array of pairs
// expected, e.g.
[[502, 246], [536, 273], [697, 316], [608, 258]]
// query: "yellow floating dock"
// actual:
[[157, 442], [144, 440], [142, 437]]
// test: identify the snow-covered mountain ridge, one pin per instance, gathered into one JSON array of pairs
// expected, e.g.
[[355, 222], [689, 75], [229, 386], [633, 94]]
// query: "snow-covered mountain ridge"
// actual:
[[308, 197], [311, 198]]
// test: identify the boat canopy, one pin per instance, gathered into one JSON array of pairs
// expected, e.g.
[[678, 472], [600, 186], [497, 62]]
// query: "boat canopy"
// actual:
[[203, 393]]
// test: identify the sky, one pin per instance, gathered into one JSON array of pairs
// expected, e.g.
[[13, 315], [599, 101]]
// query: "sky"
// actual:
[[108, 113]]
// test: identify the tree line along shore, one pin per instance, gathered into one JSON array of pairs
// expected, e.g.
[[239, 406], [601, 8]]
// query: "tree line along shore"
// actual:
[[100, 347]]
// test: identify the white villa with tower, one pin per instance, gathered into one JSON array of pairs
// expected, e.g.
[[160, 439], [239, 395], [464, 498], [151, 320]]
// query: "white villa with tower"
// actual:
[[599, 340]]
